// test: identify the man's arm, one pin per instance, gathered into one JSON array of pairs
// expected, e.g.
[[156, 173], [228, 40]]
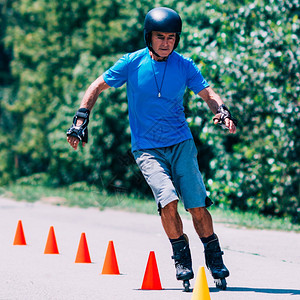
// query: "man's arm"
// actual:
[[92, 93], [213, 101], [89, 99]]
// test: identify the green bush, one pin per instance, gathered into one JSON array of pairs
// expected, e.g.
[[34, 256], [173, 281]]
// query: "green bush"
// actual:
[[248, 51]]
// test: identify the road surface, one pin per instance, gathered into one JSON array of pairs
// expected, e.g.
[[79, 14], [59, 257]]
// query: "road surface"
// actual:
[[263, 264]]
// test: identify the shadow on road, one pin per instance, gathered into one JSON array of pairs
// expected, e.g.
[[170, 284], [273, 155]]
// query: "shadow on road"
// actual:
[[259, 290], [242, 289]]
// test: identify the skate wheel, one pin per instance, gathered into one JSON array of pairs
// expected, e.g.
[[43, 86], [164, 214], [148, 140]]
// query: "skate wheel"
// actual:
[[186, 285], [221, 283]]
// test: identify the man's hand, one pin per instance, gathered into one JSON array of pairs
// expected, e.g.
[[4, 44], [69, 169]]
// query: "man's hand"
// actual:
[[228, 123], [224, 118], [73, 141], [79, 131]]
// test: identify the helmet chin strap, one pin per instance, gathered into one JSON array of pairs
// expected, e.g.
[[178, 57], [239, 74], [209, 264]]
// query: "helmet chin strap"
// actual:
[[152, 50]]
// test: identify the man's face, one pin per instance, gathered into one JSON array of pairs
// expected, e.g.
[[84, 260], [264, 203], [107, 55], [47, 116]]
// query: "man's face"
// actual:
[[163, 42]]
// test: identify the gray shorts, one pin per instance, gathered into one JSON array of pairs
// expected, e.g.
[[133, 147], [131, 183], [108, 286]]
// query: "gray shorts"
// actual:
[[173, 173]]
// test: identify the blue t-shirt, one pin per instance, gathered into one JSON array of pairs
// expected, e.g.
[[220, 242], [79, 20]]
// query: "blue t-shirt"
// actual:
[[156, 121]]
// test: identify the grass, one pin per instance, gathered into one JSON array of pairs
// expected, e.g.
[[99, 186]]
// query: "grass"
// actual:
[[94, 198]]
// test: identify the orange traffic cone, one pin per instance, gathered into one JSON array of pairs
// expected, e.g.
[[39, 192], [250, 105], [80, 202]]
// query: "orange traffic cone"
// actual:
[[151, 279], [201, 290], [19, 236], [110, 265], [51, 245], [83, 254]]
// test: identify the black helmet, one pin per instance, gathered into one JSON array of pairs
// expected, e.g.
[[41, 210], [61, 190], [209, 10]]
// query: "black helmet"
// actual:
[[162, 19]]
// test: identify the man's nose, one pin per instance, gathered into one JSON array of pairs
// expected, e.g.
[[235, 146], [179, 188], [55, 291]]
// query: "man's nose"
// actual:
[[165, 42]]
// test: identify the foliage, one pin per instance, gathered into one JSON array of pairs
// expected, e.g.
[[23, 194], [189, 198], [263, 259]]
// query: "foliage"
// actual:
[[248, 51]]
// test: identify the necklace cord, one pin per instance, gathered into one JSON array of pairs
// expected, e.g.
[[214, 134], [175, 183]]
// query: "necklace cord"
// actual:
[[162, 81]]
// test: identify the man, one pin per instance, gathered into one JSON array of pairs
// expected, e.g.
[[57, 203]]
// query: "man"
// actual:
[[162, 143]]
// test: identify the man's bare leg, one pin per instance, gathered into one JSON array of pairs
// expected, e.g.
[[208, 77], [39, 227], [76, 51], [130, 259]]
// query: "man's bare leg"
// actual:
[[213, 254], [173, 227], [171, 220], [202, 221]]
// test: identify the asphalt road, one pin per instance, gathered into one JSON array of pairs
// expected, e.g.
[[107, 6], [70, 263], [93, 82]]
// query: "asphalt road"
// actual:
[[263, 264]]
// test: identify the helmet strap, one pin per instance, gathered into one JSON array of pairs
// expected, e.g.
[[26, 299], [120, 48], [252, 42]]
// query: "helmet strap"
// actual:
[[152, 50]]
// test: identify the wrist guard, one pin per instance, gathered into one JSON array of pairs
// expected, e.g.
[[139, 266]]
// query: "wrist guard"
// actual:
[[81, 131], [223, 113]]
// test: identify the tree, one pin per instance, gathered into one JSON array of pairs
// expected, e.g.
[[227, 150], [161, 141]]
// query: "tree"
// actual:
[[247, 51]]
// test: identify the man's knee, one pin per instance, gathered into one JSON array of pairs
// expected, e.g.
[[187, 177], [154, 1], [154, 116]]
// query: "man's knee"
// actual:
[[198, 212]]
